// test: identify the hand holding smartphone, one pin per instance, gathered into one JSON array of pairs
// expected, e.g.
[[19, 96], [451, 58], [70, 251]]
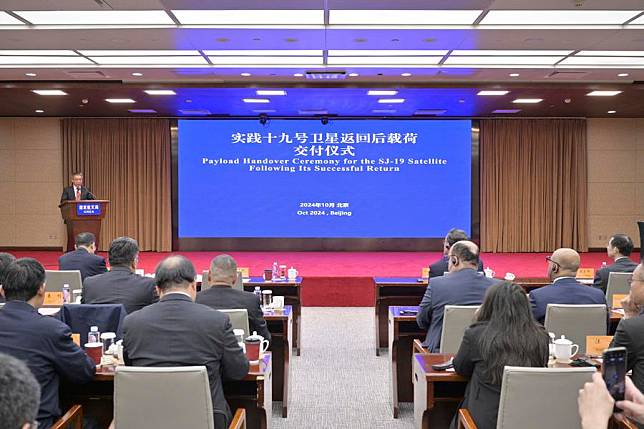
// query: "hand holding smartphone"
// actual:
[[614, 372]]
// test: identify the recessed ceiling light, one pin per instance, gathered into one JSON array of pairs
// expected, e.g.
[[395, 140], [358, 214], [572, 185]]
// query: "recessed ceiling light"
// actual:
[[31, 74], [612, 111], [49, 92], [405, 74], [297, 75], [250, 17], [256, 100], [188, 101], [270, 92], [159, 92], [603, 93], [622, 74], [96, 17], [391, 100], [528, 100], [514, 75], [142, 111], [490, 92], [245, 74], [137, 74], [39, 111], [353, 75], [382, 92], [120, 100]]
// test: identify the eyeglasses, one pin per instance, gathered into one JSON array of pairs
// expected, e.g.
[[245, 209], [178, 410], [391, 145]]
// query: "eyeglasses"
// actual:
[[549, 259]]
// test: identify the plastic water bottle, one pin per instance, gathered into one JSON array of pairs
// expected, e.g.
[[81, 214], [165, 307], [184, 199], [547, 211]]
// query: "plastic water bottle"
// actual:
[[66, 293], [603, 265], [276, 271], [258, 293], [94, 336]]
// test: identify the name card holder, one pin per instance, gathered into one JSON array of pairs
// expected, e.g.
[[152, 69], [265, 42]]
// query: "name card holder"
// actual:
[[596, 344], [245, 272], [424, 274], [585, 273], [53, 298], [617, 300]]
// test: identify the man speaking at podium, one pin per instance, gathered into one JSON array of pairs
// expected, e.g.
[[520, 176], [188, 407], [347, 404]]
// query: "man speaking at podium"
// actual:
[[77, 191]]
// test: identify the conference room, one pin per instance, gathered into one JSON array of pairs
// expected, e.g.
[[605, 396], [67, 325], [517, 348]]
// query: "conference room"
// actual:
[[321, 214]]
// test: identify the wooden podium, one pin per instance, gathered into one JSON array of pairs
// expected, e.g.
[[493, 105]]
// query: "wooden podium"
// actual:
[[83, 216]]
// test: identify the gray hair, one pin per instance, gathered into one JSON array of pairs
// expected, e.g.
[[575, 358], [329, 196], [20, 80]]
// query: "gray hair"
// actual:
[[175, 272], [223, 268], [20, 393]]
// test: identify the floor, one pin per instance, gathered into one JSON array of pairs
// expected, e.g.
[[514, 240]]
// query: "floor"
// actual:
[[338, 382]]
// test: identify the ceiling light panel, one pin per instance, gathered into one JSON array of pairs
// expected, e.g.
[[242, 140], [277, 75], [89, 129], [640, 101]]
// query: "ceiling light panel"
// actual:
[[183, 60], [159, 92], [610, 54], [137, 53], [373, 61], [403, 17], [6, 19], [256, 100], [492, 92], [52, 60], [251, 61], [382, 92], [120, 100], [603, 61], [528, 100], [490, 60], [49, 92], [270, 92], [508, 53], [603, 93], [250, 17], [38, 52], [391, 100], [558, 17], [266, 52], [638, 21], [376, 52], [96, 17]]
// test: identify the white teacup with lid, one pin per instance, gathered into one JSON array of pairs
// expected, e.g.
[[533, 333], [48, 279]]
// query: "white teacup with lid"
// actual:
[[564, 349]]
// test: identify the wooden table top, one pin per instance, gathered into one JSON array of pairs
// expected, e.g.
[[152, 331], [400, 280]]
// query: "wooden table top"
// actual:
[[259, 280], [397, 309]]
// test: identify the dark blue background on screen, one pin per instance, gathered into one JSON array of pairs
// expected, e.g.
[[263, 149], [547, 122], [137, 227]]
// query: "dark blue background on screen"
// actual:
[[419, 201]]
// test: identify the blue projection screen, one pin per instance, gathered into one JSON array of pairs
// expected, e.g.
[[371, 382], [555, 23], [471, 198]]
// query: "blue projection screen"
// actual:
[[346, 179]]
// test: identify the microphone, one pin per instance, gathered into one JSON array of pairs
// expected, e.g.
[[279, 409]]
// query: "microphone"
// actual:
[[89, 194]]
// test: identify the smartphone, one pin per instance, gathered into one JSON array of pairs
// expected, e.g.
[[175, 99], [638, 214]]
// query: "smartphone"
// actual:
[[614, 371], [404, 312], [443, 366]]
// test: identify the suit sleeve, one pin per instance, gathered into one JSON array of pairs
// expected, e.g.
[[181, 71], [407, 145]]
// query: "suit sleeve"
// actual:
[[623, 339], [153, 297], [63, 196], [537, 311], [234, 364], [463, 361], [89, 195], [102, 267], [70, 360], [257, 321], [424, 316], [600, 279]]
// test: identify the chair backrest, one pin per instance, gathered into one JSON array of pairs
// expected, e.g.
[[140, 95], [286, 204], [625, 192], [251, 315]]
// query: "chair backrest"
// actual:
[[56, 279], [139, 395], [456, 319], [617, 285], [536, 398], [576, 322], [239, 319]]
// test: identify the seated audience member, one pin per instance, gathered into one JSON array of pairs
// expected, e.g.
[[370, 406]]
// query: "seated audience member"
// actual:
[[121, 285], [178, 332], [619, 248], [463, 286], [19, 395], [221, 295], [596, 405], [630, 331], [44, 343], [83, 258], [5, 260], [439, 267], [504, 334], [562, 269]]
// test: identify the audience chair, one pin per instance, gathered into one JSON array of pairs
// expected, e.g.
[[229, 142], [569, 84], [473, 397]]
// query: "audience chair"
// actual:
[[73, 419], [456, 319], [239, 319], [239, 420], [617, 285], [537, 398], [576, 322], [140, 392], [56, 279]]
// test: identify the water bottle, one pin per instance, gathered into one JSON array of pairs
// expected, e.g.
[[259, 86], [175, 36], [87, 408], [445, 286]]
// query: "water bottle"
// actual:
[[94, 336], [276, 271], [258, 293], [66, 293], [603, 265]]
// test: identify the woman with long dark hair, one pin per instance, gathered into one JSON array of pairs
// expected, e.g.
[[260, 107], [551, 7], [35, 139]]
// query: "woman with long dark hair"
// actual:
[[504, 333]]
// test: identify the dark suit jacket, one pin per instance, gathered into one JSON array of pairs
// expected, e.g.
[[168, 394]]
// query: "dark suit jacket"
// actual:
[[68, 194], [45, 345], [464, 287], [224, 297], [80, 259], [630, 334], [564, 291], [481, 395], [439, 267], [622, 265], [177, 332], [120, 286]]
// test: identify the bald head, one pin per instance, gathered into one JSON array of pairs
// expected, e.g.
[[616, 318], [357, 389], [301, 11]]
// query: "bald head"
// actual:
[[175, 273], [463, 254], [565, 263], [223, 269]]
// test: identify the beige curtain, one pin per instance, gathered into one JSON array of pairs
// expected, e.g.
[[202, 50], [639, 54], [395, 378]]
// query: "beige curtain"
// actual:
[[533, 185], [126, 161]]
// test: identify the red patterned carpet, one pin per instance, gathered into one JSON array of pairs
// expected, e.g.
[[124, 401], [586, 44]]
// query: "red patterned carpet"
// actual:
[[345, 279]]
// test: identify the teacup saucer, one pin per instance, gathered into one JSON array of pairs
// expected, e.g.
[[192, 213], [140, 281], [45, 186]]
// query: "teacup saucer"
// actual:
[[563, 360]]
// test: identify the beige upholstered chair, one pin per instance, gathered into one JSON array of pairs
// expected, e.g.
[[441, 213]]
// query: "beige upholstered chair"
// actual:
[[456, 319], [576, 322], [140, 392], [617, 285], [537, 398], [239, 319], [56, 279]]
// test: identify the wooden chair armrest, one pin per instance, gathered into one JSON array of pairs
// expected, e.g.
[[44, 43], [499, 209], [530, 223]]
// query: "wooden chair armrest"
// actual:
[[73, 419], [239, 419], [625, 423], [418, 347], [465, 420]]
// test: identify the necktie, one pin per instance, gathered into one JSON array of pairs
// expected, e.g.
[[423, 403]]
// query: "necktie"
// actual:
[[78, 194]]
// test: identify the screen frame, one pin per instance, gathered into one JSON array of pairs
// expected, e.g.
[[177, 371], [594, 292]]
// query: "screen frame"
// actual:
[[344, 244]]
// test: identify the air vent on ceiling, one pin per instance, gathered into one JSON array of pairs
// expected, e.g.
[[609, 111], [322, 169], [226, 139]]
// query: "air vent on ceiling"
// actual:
[[326, 75], [429, 112], [87, 74], [566, 74]]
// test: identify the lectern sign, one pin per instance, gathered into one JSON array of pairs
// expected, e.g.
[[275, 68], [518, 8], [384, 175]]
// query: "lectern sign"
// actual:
[[88, 209]]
